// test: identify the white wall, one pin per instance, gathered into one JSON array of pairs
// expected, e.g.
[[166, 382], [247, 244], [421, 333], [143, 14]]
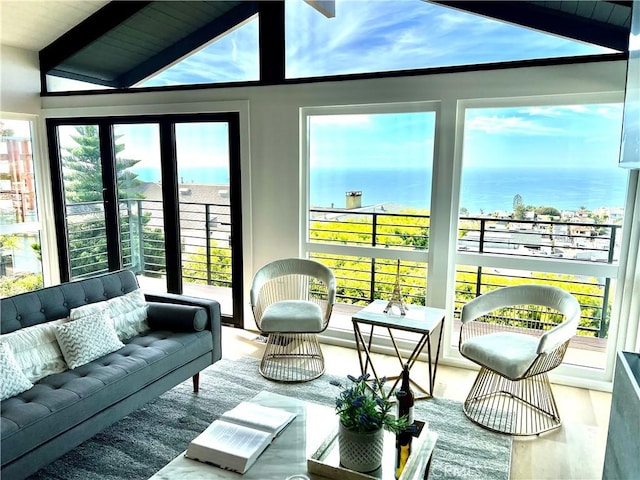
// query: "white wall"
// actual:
[[19, 81]]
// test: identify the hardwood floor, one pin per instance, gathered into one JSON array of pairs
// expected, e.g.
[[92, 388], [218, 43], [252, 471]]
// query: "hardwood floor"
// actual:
[[575, 451]]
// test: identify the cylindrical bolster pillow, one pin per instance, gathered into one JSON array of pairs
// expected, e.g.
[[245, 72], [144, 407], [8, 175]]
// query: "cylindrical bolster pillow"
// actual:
[[179, 318]]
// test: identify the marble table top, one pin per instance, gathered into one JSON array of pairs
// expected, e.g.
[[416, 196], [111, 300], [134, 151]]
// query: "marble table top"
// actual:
[[286, 456]]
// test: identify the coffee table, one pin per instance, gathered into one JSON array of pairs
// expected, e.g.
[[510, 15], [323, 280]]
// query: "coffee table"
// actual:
[[288, 454]]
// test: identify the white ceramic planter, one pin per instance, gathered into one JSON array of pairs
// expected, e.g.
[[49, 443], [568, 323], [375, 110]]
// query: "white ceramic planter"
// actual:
[[361, 452]]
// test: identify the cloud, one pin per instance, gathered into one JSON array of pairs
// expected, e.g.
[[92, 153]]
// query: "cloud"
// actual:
[[495, 124], [542, 111], [341, 120], [232, 57], [394, 35]]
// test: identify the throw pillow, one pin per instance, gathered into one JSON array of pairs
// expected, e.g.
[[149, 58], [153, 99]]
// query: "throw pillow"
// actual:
[[86, 339], [128, 313], [36, 350], [12, 380]]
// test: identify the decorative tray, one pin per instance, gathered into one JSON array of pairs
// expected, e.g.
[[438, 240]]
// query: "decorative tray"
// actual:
[[326, 459]]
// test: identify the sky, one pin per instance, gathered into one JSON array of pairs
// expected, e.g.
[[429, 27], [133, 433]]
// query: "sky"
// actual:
[[388, 34], [404, 34], [392, 35]]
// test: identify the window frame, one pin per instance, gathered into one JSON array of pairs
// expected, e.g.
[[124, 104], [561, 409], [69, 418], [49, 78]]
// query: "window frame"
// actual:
[[306, 246], [542, 264]]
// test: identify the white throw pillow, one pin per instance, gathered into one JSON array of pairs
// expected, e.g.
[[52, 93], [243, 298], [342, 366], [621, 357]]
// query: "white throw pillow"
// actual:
[[12, 380], [36, 350], [86, 339], [128, 313]]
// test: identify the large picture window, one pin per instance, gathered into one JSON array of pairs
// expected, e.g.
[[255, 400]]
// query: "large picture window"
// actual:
[[369, 173], [20, 232], [542, 201]]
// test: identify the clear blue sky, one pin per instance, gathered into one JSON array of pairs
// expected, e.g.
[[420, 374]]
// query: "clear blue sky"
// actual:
[[401, 34]]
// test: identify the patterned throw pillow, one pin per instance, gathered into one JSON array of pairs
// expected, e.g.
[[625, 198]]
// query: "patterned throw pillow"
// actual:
[[36, 349], [128, 313], [86, 339], [12, 380]]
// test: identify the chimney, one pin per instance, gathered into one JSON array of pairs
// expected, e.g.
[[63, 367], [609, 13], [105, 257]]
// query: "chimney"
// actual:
[[354, 199]]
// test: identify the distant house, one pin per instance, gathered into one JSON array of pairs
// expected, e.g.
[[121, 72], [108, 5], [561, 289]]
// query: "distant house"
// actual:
[[201, 206]]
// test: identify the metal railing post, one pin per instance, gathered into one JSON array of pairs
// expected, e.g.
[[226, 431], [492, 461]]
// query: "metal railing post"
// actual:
[[207, 236], [374, 234], [140, 227], [603, 329]]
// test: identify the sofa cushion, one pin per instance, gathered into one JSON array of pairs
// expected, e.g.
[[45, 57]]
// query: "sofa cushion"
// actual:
[[36, 350], [12, 380], [128, 313], [64, 400], [86, 339]]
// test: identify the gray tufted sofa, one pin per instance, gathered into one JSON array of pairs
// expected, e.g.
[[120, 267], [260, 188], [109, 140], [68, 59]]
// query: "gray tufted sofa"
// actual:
[[64, 409]]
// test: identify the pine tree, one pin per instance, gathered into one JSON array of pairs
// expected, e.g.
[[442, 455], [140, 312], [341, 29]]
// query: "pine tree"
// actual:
[[82, 166], [83, 169]]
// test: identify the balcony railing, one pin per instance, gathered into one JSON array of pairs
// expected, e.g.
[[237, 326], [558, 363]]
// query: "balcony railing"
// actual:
[[363, 279], [206, 251], [204, 231]]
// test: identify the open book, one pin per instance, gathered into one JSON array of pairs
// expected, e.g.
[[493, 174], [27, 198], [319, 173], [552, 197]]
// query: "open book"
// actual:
[[239, 436]]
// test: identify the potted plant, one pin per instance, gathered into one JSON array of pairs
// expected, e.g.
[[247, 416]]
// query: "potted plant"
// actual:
[[364, 414]]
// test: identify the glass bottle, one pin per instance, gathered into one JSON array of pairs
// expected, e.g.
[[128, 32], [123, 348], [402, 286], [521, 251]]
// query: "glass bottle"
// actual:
[[405, 402], [403, 450]]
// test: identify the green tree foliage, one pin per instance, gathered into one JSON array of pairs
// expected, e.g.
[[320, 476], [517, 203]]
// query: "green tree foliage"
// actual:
[[83, 169], [16, 284], [520, 212], [550, 211], [5, 132], [82, 166], [194, 266], [588, 292], [356, 275]]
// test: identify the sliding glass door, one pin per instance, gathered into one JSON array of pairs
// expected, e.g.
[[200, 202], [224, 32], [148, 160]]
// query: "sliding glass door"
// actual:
[[158, 195]]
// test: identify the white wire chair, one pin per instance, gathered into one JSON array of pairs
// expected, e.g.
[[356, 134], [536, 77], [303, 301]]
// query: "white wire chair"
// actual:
[[517, 334], [292, 300]]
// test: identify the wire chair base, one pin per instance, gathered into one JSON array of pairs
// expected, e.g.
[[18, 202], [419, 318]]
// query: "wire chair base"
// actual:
[[292, 357], [514, 407]]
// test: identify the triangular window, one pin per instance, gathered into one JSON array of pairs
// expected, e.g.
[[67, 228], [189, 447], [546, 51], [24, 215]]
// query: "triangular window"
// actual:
[[232, 57], [392, 35]]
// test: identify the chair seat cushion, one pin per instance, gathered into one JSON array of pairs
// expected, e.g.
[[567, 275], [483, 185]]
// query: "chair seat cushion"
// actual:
[[509, 354], [292, 316]]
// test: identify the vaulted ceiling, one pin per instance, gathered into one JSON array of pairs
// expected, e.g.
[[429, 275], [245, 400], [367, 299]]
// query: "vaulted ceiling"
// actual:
[[119, 43]]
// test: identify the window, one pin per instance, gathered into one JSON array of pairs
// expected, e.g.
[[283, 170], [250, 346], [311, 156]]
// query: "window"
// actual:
[[542, 201], [153, 194], [232, 57], [369, 178], [391, 35], [20, 240]]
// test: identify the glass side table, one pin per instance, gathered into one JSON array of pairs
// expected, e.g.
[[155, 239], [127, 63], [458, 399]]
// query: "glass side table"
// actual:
[[426, 322]]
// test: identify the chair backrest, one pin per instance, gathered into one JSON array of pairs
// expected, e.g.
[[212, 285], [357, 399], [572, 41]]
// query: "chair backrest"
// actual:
[[288, 278], [542, 295]]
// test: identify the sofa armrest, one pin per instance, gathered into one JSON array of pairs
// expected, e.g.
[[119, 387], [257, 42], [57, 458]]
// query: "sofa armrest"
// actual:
[[212, 310], [178, 318]]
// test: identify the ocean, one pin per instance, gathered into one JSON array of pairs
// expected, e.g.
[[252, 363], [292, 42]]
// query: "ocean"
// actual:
[[483, 189]]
